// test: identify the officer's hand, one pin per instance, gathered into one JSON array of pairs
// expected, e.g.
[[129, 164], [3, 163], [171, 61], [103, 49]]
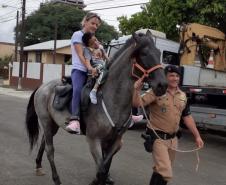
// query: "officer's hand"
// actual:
[[138, 85], [199, 142]]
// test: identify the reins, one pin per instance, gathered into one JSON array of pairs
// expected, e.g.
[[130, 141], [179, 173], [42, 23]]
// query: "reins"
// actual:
[[172, 148]]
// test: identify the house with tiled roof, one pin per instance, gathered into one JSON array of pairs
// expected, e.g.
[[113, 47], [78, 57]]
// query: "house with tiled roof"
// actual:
[[44, 52]]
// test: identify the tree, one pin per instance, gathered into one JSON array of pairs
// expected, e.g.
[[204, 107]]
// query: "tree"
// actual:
[[137, 21], [40, 25], [106, 33], [4, 61], [164, 15]]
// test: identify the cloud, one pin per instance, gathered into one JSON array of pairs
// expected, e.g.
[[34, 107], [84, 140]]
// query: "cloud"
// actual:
[[6, 32], [109, 15]]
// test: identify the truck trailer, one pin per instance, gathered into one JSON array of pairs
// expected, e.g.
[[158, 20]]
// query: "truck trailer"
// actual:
[[201, 57]]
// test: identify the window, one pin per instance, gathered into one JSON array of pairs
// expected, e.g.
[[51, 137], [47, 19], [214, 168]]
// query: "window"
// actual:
[[67, 59], [170, 58], [113, 50], [38, 57]]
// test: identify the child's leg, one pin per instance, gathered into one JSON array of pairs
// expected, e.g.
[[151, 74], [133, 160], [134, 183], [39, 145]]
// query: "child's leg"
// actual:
[[100, 78], [93, 93], [95, 88]]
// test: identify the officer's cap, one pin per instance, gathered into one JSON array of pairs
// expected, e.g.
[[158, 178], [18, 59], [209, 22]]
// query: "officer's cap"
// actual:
[[172, 69]]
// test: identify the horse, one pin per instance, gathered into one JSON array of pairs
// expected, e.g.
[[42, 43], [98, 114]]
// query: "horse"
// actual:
[[108, 120]]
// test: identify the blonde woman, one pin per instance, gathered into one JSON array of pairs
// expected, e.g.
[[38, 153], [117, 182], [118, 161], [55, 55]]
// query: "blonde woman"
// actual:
[[80, 66]]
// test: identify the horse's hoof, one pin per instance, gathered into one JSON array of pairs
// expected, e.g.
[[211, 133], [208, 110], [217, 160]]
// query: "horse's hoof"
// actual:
[[94, 182], [39, 172], [109, 181]]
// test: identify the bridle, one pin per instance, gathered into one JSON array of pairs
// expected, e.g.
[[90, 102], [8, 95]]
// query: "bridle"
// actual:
[[145, 72]]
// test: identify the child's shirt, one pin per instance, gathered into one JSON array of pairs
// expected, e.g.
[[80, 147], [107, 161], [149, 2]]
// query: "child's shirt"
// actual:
[[88, 54]]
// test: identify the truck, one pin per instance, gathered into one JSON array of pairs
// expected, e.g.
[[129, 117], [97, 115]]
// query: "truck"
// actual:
[[201, 57]]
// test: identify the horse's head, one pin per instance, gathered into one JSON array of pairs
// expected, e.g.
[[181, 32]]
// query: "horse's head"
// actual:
[[147, 65]]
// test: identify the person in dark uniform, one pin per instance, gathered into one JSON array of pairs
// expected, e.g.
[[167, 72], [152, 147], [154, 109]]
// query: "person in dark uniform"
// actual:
[[165, 113]]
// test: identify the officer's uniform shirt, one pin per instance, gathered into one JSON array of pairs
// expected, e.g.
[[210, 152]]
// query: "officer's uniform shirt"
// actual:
[[166, 111]]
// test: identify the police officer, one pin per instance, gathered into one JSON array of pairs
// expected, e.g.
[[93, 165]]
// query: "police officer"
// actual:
[[165, 113]]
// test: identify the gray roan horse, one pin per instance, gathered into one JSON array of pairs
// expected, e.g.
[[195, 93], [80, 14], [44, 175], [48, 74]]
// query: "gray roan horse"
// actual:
[[104, 128]]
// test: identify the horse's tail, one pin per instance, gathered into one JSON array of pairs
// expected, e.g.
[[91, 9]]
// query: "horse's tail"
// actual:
[[32, 125]]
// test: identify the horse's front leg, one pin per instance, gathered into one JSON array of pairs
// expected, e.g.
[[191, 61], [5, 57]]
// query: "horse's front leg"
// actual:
[[108, 149], [95, 150]]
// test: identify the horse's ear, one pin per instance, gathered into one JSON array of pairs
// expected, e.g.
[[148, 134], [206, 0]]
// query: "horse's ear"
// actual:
[[149, 34], [135, 37]]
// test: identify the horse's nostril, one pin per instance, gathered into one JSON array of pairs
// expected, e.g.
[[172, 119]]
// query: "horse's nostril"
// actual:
[[161, 89], [162, 85]]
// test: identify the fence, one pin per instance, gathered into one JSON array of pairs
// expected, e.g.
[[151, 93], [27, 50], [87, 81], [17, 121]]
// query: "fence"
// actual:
[[34, 74]]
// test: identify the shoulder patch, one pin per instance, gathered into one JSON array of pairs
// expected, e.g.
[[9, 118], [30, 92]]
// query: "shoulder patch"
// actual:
[[183, 97]]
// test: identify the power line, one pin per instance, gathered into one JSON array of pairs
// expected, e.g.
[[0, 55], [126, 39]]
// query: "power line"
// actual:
[[112, 7], [121, 1], [10, 1], [8, 13], [98, 2], [7, 20]]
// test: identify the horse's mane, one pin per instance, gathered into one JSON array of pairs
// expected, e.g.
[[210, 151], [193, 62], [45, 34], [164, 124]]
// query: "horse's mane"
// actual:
[[119, 52], [125, 46]]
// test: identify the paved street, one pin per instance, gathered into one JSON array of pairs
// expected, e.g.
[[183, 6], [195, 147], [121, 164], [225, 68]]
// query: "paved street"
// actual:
[[131, 166]]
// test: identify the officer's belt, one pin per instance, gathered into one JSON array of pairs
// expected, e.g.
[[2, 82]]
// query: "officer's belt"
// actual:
[[161, 134]]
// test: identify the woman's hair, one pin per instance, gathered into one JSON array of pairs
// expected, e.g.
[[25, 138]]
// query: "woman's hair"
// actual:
[[86, 38], [89, 16]]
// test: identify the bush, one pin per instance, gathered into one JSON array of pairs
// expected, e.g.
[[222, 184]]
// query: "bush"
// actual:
[[5, 61]]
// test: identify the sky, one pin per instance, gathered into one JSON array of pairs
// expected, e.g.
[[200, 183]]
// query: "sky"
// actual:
[[8, 14]]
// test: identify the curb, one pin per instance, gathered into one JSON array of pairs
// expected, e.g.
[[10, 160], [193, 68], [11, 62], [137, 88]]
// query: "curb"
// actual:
[[14, 92]]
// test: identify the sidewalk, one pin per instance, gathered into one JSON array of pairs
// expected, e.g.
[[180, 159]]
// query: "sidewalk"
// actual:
[[9, 91]]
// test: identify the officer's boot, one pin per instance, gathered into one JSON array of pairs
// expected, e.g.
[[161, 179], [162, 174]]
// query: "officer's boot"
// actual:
[[157, 179]]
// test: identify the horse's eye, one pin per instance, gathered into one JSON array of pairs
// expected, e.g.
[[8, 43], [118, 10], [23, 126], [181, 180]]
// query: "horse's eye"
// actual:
[[144, 54]]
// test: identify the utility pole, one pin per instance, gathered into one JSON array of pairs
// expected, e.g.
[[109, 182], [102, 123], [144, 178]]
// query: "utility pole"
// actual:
[[55, 42], [16, 39], [22, 45]]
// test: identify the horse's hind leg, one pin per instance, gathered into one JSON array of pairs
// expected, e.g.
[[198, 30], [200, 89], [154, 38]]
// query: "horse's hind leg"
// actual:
[[50, 130], [39, 171]]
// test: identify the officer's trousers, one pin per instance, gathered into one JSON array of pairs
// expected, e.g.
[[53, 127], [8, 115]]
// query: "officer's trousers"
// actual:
[[163, 157]]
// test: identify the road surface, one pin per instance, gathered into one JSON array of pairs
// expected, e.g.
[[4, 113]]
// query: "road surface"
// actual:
[[131, 166]]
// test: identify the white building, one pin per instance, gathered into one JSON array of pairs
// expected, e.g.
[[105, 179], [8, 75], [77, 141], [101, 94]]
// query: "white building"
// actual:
[[79, 3]]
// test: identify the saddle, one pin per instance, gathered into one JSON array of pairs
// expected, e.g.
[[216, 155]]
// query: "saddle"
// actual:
[[63, 94]]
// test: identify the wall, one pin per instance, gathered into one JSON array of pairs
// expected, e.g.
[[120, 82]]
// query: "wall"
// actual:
[[47, 57], [31, 56], [6, 49], [65, 50]]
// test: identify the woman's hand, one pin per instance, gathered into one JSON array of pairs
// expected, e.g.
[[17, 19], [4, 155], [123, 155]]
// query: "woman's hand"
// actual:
[[93, 72]]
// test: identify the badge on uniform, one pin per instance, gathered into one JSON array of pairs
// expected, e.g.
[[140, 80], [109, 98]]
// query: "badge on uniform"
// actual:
[[182, 97]]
